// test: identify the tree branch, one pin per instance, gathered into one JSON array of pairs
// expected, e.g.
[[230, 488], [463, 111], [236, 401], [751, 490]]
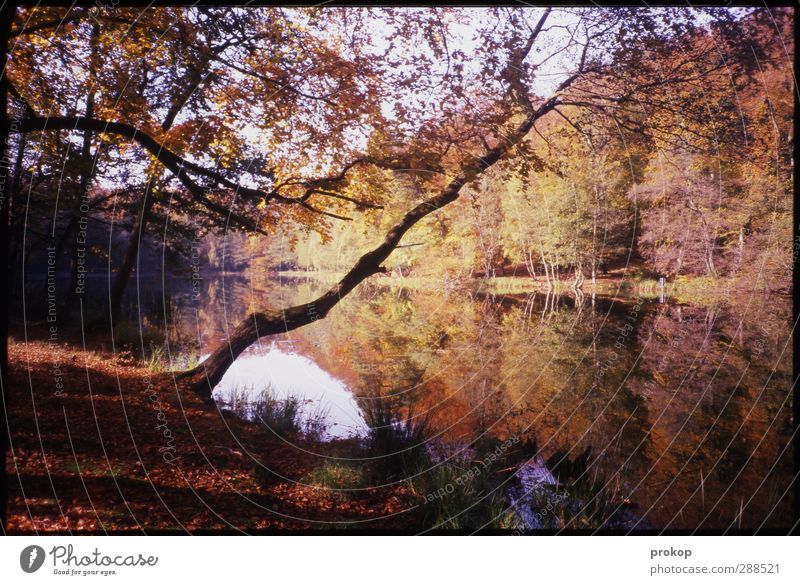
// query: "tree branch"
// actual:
[[207, 375], [514, 69], [357, 202], [282, 85]]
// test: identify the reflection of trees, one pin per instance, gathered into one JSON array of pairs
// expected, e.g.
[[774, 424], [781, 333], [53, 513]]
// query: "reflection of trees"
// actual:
[[418, 348], [543, 368], [223, 300], [484, 387], [709, 413], [565, 375]]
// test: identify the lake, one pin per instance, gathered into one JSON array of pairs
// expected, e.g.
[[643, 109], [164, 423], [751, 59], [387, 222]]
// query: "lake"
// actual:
[[683, 410]]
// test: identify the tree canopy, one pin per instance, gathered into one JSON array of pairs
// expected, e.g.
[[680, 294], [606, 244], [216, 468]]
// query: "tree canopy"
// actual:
[[582, 135]]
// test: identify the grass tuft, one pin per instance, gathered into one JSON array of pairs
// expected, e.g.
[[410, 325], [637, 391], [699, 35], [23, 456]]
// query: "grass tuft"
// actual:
[[340, 475]]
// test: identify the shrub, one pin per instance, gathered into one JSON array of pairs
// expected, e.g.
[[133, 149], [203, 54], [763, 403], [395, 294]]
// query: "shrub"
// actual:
[[594, 501], [397, 443], [452, 499]]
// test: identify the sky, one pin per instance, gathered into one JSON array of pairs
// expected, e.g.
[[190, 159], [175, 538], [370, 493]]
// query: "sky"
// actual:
[[553, 61]]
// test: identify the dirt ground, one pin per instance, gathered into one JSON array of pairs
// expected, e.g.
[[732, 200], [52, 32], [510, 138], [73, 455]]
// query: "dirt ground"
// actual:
[[100, 443]]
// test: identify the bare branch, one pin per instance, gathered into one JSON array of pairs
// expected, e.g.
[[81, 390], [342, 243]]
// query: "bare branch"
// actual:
[[358, 203], [514, 69]]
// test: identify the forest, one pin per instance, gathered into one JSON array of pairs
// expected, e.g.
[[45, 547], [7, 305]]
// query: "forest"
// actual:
[[557, 241]]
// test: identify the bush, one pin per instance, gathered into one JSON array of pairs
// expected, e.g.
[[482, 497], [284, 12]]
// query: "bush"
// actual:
[[130, 334], [593, 501], [453, 500], [397, 443]]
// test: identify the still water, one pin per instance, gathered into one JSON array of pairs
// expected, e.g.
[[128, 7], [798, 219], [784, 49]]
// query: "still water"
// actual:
[[286, 374], [685, 408]]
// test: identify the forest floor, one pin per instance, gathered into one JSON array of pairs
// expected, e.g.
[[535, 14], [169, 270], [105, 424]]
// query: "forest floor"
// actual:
[[102, 444]]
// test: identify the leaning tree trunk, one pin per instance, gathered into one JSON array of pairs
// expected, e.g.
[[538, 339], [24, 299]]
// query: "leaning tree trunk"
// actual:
[[203, 378]]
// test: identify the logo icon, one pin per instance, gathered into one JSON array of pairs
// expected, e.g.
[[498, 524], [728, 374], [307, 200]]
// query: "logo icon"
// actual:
[[31, 558]]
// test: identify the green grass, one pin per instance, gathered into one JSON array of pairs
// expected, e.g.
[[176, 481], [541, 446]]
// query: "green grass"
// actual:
[[448, 498], [156, 360], [341, 475], [453, 494], [452, 500], [184, 361], [131, 333], [698, 290], [160, 359], [284, 417], [390, 280], [281, 416], [397, 442]]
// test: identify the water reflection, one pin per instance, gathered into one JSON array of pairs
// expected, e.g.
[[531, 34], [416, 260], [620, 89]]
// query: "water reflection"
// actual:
[[686, 409], [284, 375], [534, 482]]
